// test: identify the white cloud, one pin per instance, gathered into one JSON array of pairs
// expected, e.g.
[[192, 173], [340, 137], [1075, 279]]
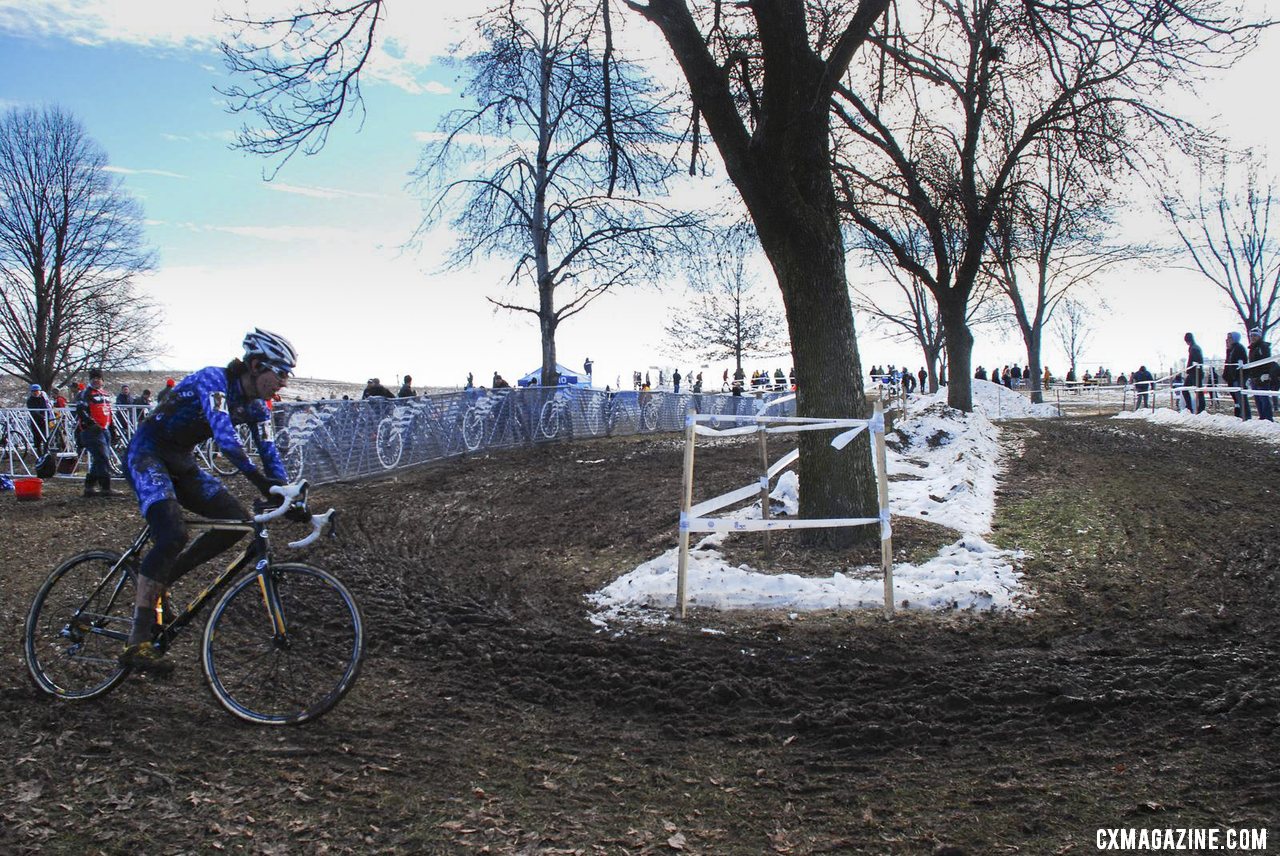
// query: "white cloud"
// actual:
[[319, 192], [327, 235], [462, 139], [124, 170], [153, 23]]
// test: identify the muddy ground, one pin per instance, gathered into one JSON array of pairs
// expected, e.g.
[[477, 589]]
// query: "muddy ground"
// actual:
[[491, 716]]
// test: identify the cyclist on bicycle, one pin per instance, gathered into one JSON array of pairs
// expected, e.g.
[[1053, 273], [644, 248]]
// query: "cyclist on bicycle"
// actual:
[[161, 468]]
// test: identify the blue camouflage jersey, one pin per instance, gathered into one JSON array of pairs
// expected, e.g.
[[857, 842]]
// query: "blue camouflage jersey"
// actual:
[[204, 404]]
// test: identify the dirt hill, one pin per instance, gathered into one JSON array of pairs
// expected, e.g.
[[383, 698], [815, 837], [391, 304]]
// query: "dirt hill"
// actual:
[[493, 716]]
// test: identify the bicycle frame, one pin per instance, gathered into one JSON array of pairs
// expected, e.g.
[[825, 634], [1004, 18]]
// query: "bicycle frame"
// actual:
[[255, 553]]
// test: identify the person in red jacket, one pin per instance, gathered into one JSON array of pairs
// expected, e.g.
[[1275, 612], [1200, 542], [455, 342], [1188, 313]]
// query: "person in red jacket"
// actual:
[[93, 421]]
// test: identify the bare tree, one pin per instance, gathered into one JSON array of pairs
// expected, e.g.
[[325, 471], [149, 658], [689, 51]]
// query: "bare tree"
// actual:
[[761, 76], [570, 137], [729, 318], [939, 117], [1049, 239], [1073, 326], [571, 146], [1226, 230], [71, 245], [303, 73], [905, 306]]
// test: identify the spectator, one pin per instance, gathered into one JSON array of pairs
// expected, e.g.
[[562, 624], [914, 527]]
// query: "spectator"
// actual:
[[1233, 374], [1071, 375], [164, 393], [697, 384], [406, 388], [1016, 374], [791, 377], [980, 374], [471, 382], [923, 377], [1006, 377], [587, 366], [1264, 377], [93, 425], [375, 389], [1142, 383], [779, 380], [499, 382], [1194, 378], [38, 407], [1048, 378], [145, 399], [123, 399], [675, 381]]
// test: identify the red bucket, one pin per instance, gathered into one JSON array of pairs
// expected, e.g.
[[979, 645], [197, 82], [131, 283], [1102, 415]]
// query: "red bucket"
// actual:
[[27, 489]]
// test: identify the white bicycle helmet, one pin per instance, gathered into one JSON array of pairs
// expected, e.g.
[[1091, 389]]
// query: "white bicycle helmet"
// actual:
[[271, 347]]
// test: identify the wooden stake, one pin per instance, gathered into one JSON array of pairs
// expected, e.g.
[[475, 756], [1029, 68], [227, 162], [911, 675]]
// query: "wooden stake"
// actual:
[[764, 490], [882, 482], [686, 503]]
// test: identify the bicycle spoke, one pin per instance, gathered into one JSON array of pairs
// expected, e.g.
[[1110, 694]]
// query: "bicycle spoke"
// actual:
[[263, 676], [71, 652]]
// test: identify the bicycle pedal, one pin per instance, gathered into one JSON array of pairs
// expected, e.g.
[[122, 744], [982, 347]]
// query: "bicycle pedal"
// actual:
[[145, 657]]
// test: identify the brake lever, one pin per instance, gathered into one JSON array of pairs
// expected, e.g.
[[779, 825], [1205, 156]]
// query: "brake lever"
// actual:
[[318, 522]]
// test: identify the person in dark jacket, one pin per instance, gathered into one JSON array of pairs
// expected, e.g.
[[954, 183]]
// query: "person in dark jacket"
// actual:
[[1263, 377], [38, 407], [1142, 383], [93, 422], [375, 389], [1233, 374], [1194, 377], [406, 388]]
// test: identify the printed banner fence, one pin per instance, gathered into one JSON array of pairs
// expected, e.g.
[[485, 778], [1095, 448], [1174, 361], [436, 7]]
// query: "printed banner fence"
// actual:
[[334, 440]]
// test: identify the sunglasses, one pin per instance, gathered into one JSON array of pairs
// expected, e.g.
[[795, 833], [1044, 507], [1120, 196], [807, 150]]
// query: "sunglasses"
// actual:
[[283, 374]]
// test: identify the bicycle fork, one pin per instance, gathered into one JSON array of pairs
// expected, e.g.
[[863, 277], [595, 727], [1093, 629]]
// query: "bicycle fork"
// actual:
[[271, 601]]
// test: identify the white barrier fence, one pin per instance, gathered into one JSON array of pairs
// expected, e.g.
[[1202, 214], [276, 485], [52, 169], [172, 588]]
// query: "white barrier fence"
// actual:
[[695, 518]]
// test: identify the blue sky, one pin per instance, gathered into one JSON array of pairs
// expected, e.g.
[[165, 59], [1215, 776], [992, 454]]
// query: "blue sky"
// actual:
[[317, 252]]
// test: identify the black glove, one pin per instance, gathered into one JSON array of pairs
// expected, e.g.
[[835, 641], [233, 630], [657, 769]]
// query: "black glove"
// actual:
[[264, 484]]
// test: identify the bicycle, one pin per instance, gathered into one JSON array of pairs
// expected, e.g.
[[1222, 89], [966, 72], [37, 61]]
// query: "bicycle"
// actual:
[[494, 414], [311, 440], [282, 645], [209, 453]]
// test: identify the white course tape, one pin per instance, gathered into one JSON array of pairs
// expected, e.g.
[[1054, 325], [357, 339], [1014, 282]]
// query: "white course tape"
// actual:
[[725, 524], [839, 441], [785, 461], [724, 432], [751, 491], [886, 531]]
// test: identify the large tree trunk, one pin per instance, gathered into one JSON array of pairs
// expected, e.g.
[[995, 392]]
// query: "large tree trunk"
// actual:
[[1036, 381], [808, 259], [959, 354], [547, 323]]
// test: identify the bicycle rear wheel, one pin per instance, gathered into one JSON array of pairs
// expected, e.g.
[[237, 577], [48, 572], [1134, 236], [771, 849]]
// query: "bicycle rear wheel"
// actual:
[[390, 443], [77, 626], [472, 429], [289, 674]]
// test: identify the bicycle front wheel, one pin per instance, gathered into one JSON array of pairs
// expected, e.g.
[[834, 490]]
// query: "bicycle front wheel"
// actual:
[[283, 647], [390, 443], [472, 429], [78, 624]]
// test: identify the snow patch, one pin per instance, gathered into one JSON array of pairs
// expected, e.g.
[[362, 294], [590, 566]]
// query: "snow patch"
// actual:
[[952, 460]]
